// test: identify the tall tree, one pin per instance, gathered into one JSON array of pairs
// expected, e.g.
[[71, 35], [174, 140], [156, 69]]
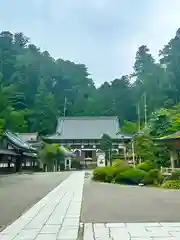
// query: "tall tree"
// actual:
[[148, 83], [170, 58], [106, 146]]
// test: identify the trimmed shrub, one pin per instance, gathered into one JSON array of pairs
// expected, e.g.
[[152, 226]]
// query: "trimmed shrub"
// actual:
[[118, 167], [109, 173], [121, 164], [132, 176], [153, 177], [146, 166], [113, 172], [99, 174], [171, 184]]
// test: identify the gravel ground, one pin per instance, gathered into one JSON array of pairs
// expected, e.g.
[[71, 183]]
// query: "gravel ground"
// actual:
[[19, 192], [116, 203]]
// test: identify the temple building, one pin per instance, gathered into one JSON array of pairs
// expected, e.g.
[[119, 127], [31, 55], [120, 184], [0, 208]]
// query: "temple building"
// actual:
[[14, 151], [83, 135]]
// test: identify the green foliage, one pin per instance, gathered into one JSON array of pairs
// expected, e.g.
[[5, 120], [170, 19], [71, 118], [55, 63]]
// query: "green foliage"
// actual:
[[175, 118], [121, 164], [114, 171], [162, 156], [33, 86], [117, 163], [106, 146], [99, 174], [111, 174], [144, 146], [153, 177], [108, 173], [126, 174], [50, 155], [154, 173], [165, 121], [129, 127], [132, 176], [106, 142], [160, 123], [171, 184], [146, 166], [1, 127]]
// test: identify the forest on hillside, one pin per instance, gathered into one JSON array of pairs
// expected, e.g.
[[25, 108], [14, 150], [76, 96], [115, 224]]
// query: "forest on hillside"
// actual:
[[34, 86]]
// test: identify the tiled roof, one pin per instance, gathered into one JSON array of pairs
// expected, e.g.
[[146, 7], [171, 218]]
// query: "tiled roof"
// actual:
[[173, 136], [86, 127], [16, 141], [28, 137]]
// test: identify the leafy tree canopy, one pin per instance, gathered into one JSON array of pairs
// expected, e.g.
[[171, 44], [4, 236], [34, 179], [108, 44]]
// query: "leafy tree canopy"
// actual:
[[33, 87]]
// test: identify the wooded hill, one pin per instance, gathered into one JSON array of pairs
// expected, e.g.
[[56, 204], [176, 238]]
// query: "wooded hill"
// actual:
[[33, 86]]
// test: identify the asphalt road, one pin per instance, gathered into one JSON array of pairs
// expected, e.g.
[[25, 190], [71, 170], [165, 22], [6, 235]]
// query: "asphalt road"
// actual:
[[116, 203], [19, 192]]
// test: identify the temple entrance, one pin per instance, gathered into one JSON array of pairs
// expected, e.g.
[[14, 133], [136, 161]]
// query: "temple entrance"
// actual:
[[88, 154]]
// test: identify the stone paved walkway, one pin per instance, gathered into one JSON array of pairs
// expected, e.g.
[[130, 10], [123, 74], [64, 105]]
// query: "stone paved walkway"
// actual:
[[57, 217], [132, 231]]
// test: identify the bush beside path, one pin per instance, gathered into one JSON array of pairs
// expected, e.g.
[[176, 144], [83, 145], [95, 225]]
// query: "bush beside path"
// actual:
[[146, 173]]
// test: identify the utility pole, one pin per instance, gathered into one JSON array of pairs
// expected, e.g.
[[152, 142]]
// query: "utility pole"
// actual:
[[65, 106], [145, 109], [139, 117], [64, 113]]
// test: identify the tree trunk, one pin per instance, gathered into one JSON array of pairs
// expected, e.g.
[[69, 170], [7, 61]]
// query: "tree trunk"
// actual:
[[106, 157]]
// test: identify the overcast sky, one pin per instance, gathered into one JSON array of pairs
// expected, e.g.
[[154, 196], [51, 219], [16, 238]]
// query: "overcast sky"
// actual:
[[103, 34]]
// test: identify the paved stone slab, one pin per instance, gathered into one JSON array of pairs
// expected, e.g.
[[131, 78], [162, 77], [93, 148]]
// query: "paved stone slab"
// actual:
[[131, 231], [68, 233], [49, 218]]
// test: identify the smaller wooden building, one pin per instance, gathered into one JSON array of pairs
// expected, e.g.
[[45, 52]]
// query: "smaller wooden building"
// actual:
[[15, 152], [172, 141]]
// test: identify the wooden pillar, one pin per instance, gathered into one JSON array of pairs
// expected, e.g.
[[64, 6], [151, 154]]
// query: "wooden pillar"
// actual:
[[65, 163], [69, 163], [133, 154], [124, 153], [173, 157]]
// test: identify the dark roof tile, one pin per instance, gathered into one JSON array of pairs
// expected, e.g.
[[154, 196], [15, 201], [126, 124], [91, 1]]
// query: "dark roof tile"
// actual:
[[86, 127]]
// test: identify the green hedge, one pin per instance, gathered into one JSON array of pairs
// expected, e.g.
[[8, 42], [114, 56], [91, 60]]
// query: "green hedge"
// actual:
[[132, 176], [120, 163], [153, 177], [119, 175], [108, 174], [146, 166], [121, 172], [114, 171], [171, 184], [99, 174]]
